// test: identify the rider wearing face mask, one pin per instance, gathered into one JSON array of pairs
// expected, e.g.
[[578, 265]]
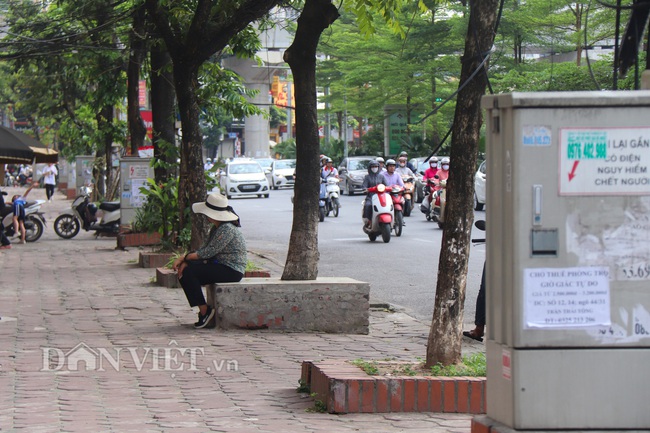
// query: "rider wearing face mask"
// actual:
[[373, 178], [443, 173], [430, 172], [402, 169]]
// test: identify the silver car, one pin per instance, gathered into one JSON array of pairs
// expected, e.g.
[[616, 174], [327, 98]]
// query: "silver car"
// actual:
[[283, 173], [352, 171]]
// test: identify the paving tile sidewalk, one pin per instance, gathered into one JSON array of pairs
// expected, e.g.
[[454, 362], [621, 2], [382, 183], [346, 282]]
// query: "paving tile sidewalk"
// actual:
[[130, 360]]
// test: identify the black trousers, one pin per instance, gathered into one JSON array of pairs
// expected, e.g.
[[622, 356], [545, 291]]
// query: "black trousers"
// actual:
[[4, 241], [201, 272], [479, 317], [49, 190]]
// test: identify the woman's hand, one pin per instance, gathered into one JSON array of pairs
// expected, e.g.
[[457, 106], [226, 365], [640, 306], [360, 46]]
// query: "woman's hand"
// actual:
[[180, 269], [178, 262]]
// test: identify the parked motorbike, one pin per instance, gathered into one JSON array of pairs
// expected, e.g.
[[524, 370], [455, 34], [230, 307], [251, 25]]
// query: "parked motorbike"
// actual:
[[23, 180], [332, 193], [9, 179], [382, 214], [83, 214], [34, 220], [397, 195], [409, 193], [439, 202]]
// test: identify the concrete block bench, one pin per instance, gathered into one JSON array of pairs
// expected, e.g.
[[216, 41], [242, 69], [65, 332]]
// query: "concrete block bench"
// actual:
[[330, 305]]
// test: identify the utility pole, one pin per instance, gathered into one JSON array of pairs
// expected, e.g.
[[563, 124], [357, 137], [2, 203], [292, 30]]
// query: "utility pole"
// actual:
[[289, 113], [345, 126]]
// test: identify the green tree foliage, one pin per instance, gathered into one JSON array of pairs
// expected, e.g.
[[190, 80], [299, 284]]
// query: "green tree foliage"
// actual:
[[417, 66], [69, 60]]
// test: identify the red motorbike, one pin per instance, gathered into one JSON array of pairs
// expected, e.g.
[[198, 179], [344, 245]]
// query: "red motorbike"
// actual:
[[397, 194]]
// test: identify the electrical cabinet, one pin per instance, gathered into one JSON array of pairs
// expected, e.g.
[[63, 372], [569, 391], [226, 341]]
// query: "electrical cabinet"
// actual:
[[568, 259], [133, 175]]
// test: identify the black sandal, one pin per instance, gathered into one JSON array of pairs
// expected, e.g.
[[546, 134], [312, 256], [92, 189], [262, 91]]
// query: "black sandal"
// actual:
[[472, 336]]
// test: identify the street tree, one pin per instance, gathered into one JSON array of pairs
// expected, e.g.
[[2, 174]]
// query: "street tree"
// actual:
[[302, 257], [444, 342], [193, 32], [316, 16]]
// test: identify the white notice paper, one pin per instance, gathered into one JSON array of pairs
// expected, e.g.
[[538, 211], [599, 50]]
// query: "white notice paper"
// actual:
[[566, 297]]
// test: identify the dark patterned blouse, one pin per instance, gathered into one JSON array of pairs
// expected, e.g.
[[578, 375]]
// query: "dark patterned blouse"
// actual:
[[227, 246]]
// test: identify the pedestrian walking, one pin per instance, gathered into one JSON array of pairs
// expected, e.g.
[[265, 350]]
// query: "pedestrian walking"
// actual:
[[49, 178], [222, 258]]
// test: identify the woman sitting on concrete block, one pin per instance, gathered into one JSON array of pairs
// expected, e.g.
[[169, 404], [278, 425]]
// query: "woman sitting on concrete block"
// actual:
[[221, 259]]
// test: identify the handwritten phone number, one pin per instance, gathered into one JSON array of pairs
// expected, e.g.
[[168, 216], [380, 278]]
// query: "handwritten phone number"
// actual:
[[569, 320]]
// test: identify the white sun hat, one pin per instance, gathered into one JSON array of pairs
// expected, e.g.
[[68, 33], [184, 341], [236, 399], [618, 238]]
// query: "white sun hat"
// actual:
[[216, 207]]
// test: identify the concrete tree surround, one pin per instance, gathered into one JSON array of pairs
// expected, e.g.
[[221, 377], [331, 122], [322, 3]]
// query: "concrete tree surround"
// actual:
[[330, 305]]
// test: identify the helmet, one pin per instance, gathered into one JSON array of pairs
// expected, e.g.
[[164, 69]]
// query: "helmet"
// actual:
[[371, 165], [444, 160], [403, 153], [379, 159], [328, 159], [433, 159], [390, 162], [402, 159], [208, 159]]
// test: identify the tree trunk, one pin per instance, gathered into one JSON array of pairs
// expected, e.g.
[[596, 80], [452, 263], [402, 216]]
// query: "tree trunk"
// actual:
[[137, 130], [105, 125], [444, 343], [191, 188], [162, 109], [302, 258]]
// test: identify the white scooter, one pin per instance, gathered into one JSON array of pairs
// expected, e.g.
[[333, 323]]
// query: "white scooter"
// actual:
[[382, 214], [83, 213], [34, 220], [333, 191]]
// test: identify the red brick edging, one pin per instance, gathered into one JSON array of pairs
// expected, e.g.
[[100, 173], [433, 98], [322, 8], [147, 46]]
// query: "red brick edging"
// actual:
[[345, 388], [137, 239]]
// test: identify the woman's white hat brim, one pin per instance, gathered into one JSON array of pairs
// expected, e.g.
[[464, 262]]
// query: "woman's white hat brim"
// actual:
[[215, 207]]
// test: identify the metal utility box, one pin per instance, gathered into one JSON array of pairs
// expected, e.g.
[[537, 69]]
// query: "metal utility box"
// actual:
[[83, 175], [568, 260], [133, 175]]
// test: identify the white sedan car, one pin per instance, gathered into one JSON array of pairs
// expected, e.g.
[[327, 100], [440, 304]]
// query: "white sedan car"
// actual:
[[243, 178], [283, 173], [479, 187]]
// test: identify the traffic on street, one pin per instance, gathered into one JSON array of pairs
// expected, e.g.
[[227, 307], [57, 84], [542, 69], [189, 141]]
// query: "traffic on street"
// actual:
[[402, 273]]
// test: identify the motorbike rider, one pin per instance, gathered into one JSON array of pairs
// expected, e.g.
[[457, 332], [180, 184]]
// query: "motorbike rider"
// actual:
[[373, 178], [403, 170], [431, 172], [439, 176], [329, 170], [382, 168], [392, 178], [404, 154], [208, 164]]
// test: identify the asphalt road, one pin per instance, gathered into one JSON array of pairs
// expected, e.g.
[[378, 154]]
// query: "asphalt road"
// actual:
[[402, 273]]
